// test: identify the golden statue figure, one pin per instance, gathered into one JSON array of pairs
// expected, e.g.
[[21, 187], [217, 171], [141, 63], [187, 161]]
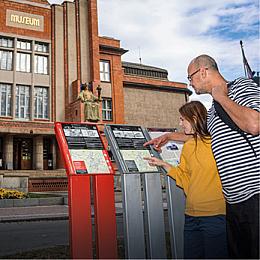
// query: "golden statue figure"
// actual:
[[91, 104]]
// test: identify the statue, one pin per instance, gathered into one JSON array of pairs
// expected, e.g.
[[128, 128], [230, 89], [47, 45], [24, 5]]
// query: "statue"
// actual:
[[91, 104]]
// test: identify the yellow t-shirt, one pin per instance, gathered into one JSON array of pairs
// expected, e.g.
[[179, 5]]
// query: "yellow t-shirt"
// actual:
[[197, 174]]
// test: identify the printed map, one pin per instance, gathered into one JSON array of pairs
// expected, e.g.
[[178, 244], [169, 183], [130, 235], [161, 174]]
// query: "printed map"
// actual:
[[171, 152], [137, 157], [94, 160]]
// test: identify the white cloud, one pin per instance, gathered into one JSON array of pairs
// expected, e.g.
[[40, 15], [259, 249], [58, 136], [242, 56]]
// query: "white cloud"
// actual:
[[169, 33]]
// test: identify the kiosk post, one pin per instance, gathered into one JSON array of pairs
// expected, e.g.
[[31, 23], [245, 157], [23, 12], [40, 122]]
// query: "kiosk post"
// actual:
[[80, 217], [85, 157], [105, 218]]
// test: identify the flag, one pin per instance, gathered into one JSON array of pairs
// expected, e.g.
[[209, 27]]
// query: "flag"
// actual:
[[248, 72]]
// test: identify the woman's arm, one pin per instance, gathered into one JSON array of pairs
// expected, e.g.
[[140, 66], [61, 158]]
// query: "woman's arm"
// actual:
[[153, 161], [164, 139]]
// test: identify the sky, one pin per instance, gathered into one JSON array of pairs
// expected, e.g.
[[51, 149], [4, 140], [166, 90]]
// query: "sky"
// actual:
[[170, 33]]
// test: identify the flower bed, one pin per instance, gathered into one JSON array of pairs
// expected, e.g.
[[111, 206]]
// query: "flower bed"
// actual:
[[11, 194]]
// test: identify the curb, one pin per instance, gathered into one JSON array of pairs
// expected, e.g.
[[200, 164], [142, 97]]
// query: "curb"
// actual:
[[8, 203], [30, 218]]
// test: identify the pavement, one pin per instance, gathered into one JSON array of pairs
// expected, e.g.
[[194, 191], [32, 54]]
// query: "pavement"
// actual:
[[16, 214], [37, 213], [50, 212]]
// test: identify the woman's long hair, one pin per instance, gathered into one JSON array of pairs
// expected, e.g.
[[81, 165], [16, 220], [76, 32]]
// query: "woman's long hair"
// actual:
[[196, 114]]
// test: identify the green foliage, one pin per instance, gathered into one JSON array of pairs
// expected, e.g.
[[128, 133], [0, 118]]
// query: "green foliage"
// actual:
[[11, 194]]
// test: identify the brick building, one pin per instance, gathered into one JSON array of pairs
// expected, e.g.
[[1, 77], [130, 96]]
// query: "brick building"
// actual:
[[46, 53]]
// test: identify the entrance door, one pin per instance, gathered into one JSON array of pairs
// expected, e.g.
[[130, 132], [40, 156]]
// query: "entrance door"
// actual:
[[47, 155], [23, 150]]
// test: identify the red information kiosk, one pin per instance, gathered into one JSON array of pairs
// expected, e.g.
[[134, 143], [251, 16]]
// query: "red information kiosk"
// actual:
[[84, 156]]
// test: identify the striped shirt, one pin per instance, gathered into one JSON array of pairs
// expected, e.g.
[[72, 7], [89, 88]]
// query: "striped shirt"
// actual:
[[238, 167]]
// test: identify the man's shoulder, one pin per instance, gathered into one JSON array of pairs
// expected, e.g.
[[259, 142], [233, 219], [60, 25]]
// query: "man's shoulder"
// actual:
[[241, 82], [242, 88]]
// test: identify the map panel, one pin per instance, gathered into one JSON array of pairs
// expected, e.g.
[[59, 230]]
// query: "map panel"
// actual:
[[135, 160], [127, 143], [94, 160], [171, 152]]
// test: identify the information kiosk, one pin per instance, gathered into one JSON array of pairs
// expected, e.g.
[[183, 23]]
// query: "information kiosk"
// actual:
[[126, 144], [175, 196], [84, 156]]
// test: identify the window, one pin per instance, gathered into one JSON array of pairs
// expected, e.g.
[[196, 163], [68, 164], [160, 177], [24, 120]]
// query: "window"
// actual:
[[107, 109], [23, 62], [104, 67], [41, 102], [24, 45], [6, 42], [40, 64], [41, 47], [22, 109], [6, 60], [5, 99]]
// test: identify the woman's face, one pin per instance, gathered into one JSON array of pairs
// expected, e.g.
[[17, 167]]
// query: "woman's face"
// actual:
[[185, 124]]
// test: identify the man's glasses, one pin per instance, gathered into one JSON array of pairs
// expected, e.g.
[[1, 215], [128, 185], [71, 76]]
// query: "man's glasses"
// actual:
[[192, 74]]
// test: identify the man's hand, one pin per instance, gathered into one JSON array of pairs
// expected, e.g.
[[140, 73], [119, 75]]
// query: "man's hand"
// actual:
[[219, 92], [245, 118], [158, 142]]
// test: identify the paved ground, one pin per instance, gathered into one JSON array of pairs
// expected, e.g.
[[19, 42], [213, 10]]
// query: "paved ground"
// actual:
[[55, 212], [33, 213]]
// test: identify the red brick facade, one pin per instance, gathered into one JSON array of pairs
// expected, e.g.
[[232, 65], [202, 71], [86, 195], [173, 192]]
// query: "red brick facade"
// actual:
[[116, 77], [75, 51]]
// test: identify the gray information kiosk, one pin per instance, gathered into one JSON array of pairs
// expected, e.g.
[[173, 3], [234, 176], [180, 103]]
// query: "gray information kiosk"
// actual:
[[143, 224]]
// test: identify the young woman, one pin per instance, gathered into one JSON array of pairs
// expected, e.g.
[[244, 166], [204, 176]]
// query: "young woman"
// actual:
[[205, 223]]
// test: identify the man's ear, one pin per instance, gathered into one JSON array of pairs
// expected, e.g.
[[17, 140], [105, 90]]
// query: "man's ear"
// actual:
[[203, 72]]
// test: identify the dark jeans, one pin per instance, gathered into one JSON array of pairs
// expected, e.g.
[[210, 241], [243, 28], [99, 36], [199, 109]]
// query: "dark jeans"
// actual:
[[205, 237], [243, 228]]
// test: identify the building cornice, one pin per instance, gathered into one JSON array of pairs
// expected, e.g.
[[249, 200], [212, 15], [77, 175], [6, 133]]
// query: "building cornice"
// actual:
[[18, 127], [47, 6], [111, 50], [154, 87]]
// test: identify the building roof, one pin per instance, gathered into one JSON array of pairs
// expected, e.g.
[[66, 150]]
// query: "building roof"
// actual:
[[126, 64], [40, 1], [142, 70]]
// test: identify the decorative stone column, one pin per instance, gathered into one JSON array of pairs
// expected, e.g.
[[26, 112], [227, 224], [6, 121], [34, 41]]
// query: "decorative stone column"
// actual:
[[38, 152], [9, 152]]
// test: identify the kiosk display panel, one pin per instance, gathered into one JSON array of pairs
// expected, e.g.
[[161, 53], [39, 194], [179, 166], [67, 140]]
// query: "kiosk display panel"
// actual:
[[171, 152], [86, 149], [127, 146]]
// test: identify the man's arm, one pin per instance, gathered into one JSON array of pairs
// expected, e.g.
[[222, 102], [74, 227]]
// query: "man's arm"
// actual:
[[164, 139], [245, 118]]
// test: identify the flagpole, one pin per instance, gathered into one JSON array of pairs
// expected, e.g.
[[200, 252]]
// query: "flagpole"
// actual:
[[247, 69], [243, 56]]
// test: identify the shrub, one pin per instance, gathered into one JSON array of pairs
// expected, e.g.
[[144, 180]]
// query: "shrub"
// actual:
[[11, 194]]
